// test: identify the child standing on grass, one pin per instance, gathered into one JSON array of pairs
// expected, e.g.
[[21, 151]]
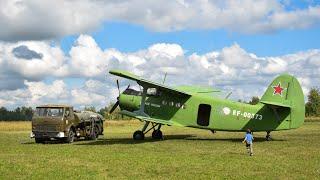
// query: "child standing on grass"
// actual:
[[248, 139]]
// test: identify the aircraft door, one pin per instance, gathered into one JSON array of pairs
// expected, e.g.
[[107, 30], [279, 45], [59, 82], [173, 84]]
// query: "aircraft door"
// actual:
[[204, 112]]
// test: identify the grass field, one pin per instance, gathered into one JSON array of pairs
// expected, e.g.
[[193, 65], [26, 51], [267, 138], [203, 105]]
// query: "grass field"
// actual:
[[184, 154]]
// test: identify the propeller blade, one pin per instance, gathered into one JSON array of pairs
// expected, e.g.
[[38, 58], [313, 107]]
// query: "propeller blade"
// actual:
[[114, 107], [118, 86]]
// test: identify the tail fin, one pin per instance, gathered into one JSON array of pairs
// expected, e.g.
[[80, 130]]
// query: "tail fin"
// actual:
[[285, 92]]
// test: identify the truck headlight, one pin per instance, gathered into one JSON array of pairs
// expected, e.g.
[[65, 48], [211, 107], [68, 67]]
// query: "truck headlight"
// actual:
[[31, 135], [60, 134]]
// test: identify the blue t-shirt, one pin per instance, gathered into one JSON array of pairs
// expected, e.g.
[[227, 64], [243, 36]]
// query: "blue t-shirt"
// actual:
[[249, 138]]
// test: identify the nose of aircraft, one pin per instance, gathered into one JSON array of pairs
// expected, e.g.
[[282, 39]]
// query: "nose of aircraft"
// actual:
[[129, 102], [125, 100]]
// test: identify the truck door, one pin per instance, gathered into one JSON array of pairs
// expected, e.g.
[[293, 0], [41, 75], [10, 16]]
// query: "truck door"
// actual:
[[204, 111]]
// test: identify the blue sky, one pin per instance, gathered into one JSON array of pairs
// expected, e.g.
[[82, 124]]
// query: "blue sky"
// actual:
[[129, 38]]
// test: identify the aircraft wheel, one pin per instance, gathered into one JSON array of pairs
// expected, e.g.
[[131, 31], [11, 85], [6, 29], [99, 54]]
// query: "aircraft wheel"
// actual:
[[138, 135], [157, 134], [268, 138]]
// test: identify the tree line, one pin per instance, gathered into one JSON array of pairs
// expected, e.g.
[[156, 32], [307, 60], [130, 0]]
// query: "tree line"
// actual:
[[19, 114], [312, 108]]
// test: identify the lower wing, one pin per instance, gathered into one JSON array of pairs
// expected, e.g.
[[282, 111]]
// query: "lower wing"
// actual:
[[144, 118]]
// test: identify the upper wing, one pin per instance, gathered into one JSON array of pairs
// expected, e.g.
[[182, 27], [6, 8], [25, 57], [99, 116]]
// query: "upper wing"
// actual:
[[144, 82], [144, 118]]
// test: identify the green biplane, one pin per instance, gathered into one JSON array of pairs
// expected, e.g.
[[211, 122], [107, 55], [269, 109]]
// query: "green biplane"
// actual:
[[280, 108]]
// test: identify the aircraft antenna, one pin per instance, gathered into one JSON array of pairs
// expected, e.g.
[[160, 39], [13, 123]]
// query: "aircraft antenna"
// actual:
[[228, 95], [164, 79]]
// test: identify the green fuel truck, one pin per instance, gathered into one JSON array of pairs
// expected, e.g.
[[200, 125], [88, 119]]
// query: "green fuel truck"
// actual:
[[61, 122]]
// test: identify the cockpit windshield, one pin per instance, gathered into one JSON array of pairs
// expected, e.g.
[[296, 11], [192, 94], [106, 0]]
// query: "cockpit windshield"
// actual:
[[50, 112], [150, 92]]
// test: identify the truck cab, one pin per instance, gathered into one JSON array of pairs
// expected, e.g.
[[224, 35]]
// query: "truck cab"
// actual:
[[63, 123]]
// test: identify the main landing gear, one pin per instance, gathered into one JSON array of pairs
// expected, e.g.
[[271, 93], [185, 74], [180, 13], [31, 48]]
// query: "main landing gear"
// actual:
[[268, 136], [156, 134]]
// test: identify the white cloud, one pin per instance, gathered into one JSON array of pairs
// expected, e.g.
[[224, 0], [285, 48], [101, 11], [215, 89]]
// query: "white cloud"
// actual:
[[230, 69], [40, 19], [40, 91]]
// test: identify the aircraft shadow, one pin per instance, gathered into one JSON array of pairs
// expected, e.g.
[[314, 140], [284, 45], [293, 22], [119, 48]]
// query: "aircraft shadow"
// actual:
[[131, 141], [257, 139], [187, 137]]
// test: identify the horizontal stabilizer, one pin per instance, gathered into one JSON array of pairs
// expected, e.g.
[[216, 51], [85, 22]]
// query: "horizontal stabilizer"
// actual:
[[276, 104]]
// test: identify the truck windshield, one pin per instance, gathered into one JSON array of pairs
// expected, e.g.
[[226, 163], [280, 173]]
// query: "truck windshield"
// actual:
[[52, 112]]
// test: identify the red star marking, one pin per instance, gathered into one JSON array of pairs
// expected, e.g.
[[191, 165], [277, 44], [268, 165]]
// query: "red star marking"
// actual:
[[278, 89]]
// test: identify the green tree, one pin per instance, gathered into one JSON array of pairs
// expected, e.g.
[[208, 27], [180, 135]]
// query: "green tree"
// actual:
[[254, 100], [18, 114], [115, 114], [90, 108], [313, 104]]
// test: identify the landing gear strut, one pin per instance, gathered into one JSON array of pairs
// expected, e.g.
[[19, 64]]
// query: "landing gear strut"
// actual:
[[156, 134], [268, 136]]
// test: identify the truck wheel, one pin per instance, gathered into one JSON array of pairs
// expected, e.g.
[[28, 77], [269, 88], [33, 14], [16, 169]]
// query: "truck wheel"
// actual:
[[97, 131], [70, 137], [94, 135]]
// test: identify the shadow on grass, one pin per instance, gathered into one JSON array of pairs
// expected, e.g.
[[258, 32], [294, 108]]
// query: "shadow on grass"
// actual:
[[46, 142], [257, 139], [131, 141], [187, 137]]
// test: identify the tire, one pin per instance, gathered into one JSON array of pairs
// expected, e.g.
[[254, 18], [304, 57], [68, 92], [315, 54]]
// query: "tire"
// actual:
[[95, 134], [100, 130], [157, 134], [70, 137], [268, 138], [138, 135]]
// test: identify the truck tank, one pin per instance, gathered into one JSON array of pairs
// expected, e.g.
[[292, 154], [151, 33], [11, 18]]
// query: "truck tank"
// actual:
[[87, 116]]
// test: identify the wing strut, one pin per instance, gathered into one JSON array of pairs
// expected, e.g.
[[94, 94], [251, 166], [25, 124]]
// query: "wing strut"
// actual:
[[143, 102]]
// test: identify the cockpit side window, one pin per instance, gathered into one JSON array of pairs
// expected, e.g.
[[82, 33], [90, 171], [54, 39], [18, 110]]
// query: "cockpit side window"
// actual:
[[153, 92], [150, 92], [132, 92]]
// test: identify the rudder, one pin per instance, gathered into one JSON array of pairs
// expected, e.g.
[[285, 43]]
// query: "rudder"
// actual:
[[285, 91]]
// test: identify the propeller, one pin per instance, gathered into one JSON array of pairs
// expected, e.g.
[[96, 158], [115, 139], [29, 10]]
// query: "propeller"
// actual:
[[114, 106], [118, 86], [117, 103]]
